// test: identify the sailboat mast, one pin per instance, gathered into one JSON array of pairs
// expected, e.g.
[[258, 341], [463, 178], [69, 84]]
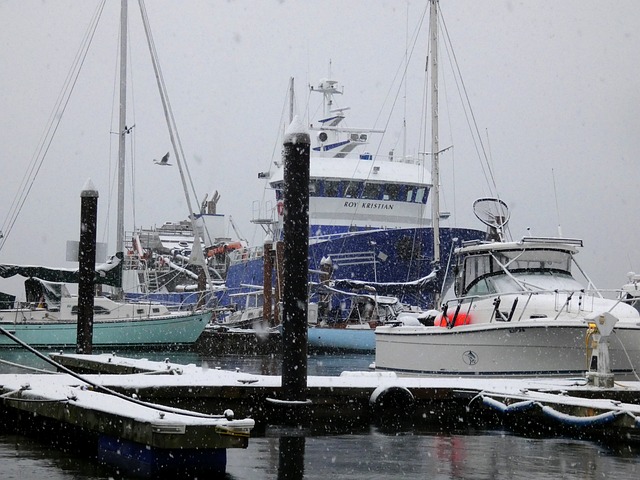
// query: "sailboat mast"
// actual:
[[435, 149], [291, 98], [122, 125], [122, 132]]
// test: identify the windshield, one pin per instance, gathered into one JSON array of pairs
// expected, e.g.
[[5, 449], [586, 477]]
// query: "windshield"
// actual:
[[485, 273]]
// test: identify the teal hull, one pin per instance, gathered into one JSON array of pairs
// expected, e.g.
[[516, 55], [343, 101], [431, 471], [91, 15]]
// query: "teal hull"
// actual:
[[161, 331], [352, 340]]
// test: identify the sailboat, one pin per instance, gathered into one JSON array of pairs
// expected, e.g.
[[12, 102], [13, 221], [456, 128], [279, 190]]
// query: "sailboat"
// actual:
[[49, 316], [518, 310]]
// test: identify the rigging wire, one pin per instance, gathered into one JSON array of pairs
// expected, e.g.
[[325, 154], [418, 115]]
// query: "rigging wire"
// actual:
[[51, 128], [175, 140], [462, 90], [163, 94]]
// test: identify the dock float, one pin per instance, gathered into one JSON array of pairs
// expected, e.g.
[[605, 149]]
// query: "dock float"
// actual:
[[541, 406], [135, 437]]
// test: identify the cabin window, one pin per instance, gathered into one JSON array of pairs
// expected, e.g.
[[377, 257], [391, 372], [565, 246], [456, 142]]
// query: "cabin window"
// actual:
[[353, 189], [536, 260], [483, 287], [420, 195], [155, 310], [97, 310], [279, 187], [314, 188], [476, 266], [139, 311], [331, 188], [371, 191], [410, 193], [392, 192]]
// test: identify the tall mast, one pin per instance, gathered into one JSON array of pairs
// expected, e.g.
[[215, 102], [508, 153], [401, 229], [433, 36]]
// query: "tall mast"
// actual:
[[122, 128], [435, 149], [291, 99]]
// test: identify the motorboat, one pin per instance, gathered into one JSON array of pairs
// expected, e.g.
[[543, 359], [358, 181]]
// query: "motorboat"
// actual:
[[350, 325], [518, 310]]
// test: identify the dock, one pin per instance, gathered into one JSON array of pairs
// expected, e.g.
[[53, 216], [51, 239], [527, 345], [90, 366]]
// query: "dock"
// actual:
[[137, 437], [357, 399]]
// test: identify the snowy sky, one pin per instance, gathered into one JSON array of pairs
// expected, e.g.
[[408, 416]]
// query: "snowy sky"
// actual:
[[553, 86]]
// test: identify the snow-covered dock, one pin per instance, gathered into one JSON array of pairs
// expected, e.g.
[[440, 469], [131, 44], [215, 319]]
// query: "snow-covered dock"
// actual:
[[127, 433], [568, 406]]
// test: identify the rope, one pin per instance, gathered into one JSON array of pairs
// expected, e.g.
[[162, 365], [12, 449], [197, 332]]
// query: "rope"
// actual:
[[53, 123], [102, 388]]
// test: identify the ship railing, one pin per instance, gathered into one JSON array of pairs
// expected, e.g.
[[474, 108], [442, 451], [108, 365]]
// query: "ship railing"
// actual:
[[246, 254], [354, 258], [334, 236], [516, 305]]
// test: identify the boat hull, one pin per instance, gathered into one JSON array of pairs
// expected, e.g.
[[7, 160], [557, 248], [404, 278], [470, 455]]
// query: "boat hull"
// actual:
[[391, 256], [341, 339], [170, 330], [527, 349]]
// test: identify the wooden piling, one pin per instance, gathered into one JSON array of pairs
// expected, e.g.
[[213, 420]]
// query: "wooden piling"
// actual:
[[267, 282], [296, 244], [87, 267]]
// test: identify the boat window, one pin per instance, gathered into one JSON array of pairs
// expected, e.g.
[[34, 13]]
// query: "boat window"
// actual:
[[420, 195], [140, 311], [410, 193], [392, 191], [314, 188], [535, 260], [155, 310], [97, 310], [548, 280], [371, 191], [279, 187], [482, 287], [540, 263], [331, 188], [477, 266], [353, 189]]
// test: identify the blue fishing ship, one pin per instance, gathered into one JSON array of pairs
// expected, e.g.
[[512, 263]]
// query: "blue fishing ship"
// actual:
[[370, 225]]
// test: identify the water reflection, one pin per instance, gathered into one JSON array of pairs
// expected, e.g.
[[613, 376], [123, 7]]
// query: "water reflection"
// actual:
[[291, 458], [364, 453]]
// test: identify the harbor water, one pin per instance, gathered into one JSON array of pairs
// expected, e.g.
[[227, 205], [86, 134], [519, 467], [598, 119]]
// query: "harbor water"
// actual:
[[371, 453]]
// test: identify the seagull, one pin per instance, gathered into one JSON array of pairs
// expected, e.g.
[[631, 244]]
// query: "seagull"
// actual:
[[164, 162]]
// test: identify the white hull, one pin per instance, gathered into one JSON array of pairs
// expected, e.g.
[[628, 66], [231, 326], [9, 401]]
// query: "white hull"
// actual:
[[528, 348]]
